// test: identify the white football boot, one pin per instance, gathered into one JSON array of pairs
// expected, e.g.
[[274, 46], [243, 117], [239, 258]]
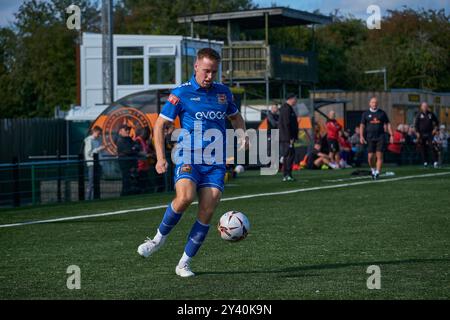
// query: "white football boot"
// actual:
[[184, 271], [149, 247]]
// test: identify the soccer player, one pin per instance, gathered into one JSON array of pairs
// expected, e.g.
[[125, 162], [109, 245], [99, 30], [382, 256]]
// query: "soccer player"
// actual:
[[373, 127], [200, 100], [333, 131], [426, 125]]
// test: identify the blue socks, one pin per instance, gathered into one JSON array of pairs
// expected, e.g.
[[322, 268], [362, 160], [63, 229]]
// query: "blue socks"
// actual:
[[196, 237], [169, 220]]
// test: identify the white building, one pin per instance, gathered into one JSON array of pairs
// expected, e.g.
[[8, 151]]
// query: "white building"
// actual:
[[141, 62]]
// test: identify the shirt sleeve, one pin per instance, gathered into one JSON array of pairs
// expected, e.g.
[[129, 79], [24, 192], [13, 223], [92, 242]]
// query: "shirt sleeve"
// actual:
[[385, 118], [363, 119], [232, 108], [172, 107]]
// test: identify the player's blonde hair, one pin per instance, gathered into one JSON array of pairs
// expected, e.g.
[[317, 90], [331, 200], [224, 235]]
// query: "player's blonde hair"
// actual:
[[208, 53]]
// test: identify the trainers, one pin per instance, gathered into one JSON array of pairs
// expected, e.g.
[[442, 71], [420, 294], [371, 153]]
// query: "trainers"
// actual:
[[184, 271], [425, 164], [285, 179], [436, 165], [290, 178], [149, 247]]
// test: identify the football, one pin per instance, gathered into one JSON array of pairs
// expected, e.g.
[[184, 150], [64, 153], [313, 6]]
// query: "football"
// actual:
[[233, 226]]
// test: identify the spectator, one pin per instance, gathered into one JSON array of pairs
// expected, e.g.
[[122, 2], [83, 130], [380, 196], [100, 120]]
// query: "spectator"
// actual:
[[395, 148], [444, 136], [411, 137], [316, 159], [334, 130], [440, 144], [92, 145], [143, 166], [345, 153], [426, 125], [357, 147], [127, 151], [273, 117], [288, 134]]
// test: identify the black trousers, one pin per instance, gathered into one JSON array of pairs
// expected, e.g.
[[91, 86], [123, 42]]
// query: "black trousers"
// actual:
[[426, 147], [288, 153]]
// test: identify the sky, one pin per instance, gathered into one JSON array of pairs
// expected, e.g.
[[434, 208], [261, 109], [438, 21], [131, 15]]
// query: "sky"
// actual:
[[358, 8]]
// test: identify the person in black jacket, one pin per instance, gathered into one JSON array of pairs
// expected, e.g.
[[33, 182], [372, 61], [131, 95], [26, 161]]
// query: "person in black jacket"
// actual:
[[273, 116], [288, 127], [127, 152], [426, 125]]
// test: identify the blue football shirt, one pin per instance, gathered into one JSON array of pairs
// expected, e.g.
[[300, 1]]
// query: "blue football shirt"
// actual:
[[199, 110]]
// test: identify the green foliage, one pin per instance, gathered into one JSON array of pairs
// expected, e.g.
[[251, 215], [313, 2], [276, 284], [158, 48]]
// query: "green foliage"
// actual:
[[38, 53]]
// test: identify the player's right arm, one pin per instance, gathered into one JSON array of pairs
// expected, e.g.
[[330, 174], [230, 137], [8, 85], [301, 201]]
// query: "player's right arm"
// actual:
[[361, 129], [158, 130], [169, 112]]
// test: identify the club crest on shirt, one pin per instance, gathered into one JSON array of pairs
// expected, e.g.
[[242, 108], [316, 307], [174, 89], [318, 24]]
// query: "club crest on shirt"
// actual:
[[173, 99], [222, 98], [186, 168]]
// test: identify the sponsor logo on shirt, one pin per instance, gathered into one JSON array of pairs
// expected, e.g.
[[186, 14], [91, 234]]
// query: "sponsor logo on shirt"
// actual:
[[222, 98], [195, 99], [173, 99], [210, 115]]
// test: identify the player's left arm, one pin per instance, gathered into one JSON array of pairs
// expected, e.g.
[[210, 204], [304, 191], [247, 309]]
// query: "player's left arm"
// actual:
[[237, 121], [436, 124], [389, 129]]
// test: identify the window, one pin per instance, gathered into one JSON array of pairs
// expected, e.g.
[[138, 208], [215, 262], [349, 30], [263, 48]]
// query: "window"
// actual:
[[130, 65], [161, 70], [188, 59]]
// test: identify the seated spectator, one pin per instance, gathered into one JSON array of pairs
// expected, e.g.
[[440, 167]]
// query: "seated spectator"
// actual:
[[357, 147], [316, 159], [395, 148], [345, 153], [440, 139]]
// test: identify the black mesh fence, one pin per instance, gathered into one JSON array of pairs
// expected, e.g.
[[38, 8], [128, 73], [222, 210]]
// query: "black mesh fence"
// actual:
[[43, 182]]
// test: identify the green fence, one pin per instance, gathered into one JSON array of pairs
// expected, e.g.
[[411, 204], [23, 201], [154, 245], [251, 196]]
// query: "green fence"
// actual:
[[43, 182]]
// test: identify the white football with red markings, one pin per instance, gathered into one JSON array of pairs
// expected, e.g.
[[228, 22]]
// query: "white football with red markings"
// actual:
[[233, 226]]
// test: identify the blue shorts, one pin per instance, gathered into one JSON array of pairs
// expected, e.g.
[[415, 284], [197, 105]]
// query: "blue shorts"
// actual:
[[202, 174]]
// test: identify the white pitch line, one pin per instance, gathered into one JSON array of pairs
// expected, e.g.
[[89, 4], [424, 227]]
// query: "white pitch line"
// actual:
[[336, 186]]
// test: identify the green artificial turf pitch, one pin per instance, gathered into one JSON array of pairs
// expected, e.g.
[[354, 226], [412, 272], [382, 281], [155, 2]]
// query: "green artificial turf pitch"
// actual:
[[307, 245]]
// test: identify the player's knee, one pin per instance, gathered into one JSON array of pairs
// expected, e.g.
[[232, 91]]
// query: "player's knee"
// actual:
[[185, 199]]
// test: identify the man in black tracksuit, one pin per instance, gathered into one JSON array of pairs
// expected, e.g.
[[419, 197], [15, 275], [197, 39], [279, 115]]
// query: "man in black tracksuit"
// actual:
[[426, 124], [127, 152], [373, 129], [288, 127]]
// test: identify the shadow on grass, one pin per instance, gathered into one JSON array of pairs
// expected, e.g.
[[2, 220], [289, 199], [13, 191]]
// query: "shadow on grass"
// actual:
[[298, 271]]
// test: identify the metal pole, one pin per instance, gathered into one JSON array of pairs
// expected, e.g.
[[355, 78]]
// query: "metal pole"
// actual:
[[230, 53], [58, 183], [33, 185], [80, 178], [266, 20], [107, 52], [16, 182], [385, 79], [96, 176]]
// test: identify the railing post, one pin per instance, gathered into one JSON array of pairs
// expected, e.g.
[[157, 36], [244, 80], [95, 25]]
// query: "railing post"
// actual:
[[16, 182], [80, 177], [33, 185], [96, 177], [58, 181]]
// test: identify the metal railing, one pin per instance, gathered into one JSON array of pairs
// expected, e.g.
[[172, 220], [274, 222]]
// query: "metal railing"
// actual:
[[53, 181]]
